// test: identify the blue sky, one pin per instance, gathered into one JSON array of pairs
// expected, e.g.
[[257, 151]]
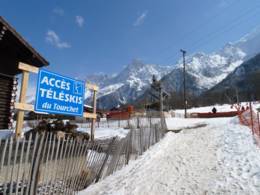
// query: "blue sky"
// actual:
[[82, 37]]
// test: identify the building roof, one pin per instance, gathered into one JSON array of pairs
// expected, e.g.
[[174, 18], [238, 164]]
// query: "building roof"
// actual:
[[14, 49]]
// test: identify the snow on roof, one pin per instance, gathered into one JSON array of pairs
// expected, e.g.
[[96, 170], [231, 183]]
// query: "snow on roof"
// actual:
[[87, 106]]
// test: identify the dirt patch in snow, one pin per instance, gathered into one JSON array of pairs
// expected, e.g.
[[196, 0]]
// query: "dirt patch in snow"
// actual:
[[192, 127]]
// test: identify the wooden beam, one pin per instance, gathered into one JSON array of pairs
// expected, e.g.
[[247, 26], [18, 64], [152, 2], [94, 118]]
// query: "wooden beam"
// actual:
[[92, 86], [28, 68], [93, 122], [89, 115], [23, 106], [22, 99]]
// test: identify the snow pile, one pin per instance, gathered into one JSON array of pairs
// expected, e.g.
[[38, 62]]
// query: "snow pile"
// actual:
[[103, 133], [4, 134], [220, 158]]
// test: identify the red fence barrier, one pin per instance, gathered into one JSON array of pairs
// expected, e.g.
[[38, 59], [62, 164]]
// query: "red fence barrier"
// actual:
[[250, 118], [214, 115]]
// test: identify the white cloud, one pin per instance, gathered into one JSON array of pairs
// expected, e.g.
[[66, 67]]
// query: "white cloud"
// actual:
[[140, 20], [80, 21], [58, 11], [54, 39]]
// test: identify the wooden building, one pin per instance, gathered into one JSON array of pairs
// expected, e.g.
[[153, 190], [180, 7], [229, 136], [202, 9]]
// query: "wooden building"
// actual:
[[13, 49]]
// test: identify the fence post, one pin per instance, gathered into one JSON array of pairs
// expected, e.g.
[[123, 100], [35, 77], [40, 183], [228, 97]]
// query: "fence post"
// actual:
[[258, 123], [9, 153], [149, 138], [35, 174], [251, 116], [129, 146], [150, 121], [141, 141], [156, 133], [119, 120], [105, 161]]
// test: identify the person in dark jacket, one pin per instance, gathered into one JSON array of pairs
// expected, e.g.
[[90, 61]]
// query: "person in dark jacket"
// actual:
[[214, 110]]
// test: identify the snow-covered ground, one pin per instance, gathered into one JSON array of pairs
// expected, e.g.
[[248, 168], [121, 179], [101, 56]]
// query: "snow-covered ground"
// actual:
[[220, 108], [5, 133], [100, 132], [220, 158], [103, 132], [181, 123]]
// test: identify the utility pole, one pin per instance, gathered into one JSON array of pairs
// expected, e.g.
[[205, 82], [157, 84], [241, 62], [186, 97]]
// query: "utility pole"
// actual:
[[184, 83]]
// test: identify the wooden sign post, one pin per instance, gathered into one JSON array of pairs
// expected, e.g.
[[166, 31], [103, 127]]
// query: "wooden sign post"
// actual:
[[94, 104], [22, 99], [20, 114], [22, 106]]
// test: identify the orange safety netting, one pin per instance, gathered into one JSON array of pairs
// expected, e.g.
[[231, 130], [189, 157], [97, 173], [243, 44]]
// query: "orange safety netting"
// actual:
[[251, 119]]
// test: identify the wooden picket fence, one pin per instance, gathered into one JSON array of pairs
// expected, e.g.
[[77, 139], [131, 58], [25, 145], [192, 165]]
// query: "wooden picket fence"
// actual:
[[133, 145], [132, 122], [44, 163]]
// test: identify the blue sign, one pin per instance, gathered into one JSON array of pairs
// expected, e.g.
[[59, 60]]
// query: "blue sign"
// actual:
[[58, 94]]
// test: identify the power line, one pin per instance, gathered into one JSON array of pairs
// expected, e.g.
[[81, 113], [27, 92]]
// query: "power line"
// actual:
[[184, 84], [199, 26], [214, 34]]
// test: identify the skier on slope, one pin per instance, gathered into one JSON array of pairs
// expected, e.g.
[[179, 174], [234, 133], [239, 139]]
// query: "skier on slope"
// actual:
[[214, 110]]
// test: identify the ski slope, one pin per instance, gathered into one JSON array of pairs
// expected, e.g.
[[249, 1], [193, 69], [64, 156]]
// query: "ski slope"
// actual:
[[220, 158]]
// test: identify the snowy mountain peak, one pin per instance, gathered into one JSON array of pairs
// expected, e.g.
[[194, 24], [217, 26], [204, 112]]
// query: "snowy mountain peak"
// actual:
[[206, 70], [253, 35], [128, 84], [232, 52], [135, 64], [138, 70], [250, 43], [203, 72]]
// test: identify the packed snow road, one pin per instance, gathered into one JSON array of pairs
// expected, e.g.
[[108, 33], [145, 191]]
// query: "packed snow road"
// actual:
[[220, 158]]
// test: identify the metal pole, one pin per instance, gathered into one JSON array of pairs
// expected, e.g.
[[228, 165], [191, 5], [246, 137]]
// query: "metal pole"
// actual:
[[184, 83], [251, 116], [161, 106], [258, 123]]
